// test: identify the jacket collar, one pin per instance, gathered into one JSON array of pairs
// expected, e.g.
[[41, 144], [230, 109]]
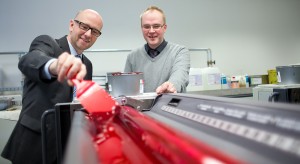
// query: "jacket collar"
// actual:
[[63, 43]]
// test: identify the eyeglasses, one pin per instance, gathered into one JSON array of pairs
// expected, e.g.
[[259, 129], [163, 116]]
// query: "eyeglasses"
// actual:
[[86, 28], [155, 26]]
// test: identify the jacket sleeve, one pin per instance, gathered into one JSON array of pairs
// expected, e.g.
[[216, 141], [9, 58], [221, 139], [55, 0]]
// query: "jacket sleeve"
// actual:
[[42, 49]]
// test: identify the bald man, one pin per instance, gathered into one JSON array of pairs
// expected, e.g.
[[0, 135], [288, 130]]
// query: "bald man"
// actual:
[[48, 67]]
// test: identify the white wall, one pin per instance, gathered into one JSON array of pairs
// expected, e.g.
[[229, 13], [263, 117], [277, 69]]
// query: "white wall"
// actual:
[[245, 36]]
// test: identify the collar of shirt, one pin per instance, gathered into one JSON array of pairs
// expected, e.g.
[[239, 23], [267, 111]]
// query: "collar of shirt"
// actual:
[[158, 49], [73, 51]]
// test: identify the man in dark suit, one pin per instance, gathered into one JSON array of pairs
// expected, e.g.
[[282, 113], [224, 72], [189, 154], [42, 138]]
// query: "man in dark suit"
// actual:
[[48, 67]]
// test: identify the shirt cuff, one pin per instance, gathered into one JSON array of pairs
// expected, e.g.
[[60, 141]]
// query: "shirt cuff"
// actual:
[[46, 74]]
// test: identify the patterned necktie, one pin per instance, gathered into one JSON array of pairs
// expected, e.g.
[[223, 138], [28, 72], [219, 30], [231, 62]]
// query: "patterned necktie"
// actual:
[[78, 56], [74, 88]]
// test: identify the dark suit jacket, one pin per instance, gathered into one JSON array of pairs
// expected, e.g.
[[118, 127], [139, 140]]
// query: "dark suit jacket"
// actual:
[[39, 95]]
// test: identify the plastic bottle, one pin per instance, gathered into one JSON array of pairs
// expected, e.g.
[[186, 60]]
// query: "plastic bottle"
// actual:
[[211, 78], [247, 81], [224, 84], [242, 82], [195, 80], [229, 82], [234, 82]]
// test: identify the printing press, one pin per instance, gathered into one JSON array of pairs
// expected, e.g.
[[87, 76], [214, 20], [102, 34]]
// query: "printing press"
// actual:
[[180, 128]]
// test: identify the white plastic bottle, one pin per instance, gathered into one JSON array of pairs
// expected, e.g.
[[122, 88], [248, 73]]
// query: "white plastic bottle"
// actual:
[[224, 84], [211, 78], [247, 81], [195, 80]]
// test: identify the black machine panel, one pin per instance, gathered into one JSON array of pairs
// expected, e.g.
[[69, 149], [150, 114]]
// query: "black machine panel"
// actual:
[[254, 132]]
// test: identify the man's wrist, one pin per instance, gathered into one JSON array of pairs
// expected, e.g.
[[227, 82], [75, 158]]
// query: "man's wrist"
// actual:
[[46, 72]]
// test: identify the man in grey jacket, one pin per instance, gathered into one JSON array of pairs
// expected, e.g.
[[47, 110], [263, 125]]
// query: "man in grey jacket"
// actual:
[[165, 65]]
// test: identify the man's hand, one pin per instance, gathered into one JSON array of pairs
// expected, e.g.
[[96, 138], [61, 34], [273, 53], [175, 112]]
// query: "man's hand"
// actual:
[[67, 67], [166, 87]]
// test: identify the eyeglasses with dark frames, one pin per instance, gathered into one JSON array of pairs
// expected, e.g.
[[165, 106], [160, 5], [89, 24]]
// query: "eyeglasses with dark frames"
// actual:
[[155, 26], [86, 28]]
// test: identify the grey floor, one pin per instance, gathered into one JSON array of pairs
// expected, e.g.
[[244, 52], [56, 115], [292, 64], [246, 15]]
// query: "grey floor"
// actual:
[[6, 127]]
